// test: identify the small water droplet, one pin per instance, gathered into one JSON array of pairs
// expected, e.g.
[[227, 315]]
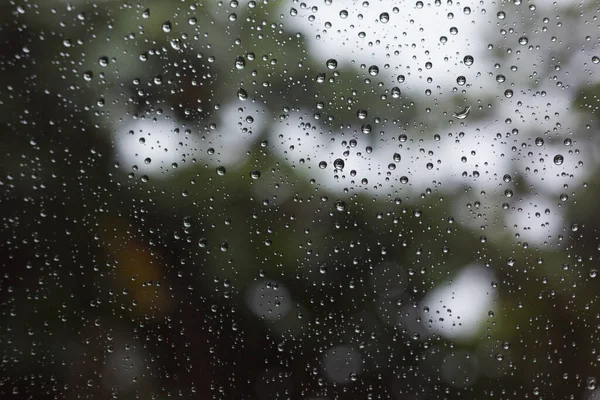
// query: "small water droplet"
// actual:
[[523, 40], [384, 17], [468, 60], [166, 26], [373, 70], [339, 164]]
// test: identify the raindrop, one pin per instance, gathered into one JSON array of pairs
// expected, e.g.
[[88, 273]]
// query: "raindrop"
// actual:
[[400, 78], [461, 80], [166, 26], [395, 92], [221, 170], [397, 157], [508, 93], [340, 205], [373, 70], [384, 17], [501, 15], [323, 164], [339, 164], [240, 62], [331, 63], [558, 159], [361, 114], [523, 40], [242, 94], [539, 141], [596, 59], [468, 60], [255, 174], [463, 114]]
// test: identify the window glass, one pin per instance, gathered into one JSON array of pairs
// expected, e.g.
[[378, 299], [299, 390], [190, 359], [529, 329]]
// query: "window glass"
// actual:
[[299, 199]]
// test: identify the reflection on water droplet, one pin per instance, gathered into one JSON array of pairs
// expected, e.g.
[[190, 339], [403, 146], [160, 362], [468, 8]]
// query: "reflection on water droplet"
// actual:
[[463, 114]]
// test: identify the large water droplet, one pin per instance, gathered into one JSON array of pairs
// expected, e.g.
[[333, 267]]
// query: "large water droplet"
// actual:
[[558, 159], [463, 114], [332, 63]]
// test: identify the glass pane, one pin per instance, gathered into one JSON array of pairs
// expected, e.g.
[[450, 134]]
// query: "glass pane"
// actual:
[[316, 199]]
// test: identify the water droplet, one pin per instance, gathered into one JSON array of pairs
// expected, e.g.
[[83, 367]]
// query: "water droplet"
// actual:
[[384, 17], [523, 40], [461, 80], [373, 70], [539, 141], [103, 61], [339, 164], [255, 174], [400, 78], [242, 94], [240, 62], [361, 114], [468, 60], [166, 26], [323, 164], [88, 75], [396, 92], [344, 14], [500, 78], [508, 93], [340, 205], [591, 383], [332, 63], [501, 15], [221, 171], [596, 59], [397, 157], [463, 114], [366, 128], [146, 13], [558, 159]]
